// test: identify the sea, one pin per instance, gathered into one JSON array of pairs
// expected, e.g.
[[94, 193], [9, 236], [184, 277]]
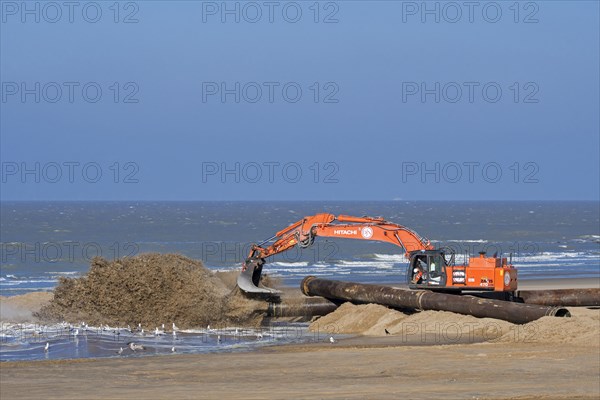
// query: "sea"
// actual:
[[43, 241]]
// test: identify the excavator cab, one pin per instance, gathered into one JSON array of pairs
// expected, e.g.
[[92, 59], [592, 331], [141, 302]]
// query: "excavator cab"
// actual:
[[427, 269]]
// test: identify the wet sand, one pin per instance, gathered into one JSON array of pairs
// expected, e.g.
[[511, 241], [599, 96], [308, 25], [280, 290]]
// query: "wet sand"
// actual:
[[360, 367], [484, 370]]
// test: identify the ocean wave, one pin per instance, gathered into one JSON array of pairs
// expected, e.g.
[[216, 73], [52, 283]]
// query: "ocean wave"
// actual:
[[587, 239], [18, 282], [547, 256], [461, 241], [62, 273], [399, 258], [289, 264], [370, 264]]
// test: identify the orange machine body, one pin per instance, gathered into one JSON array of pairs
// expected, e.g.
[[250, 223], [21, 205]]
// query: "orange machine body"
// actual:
[[480, 273]]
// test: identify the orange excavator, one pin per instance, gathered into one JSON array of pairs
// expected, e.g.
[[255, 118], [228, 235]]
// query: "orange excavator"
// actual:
[[428, 268]]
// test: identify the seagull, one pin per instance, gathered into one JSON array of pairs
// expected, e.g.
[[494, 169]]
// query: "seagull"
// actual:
[[120, 351], [387, 332], [259, 336], [76, 332], [208, 327], [175, 328], [331, 339], [135, 347], [219, 338], [46, 347], [173, 349], [236, 331], [158, 333]]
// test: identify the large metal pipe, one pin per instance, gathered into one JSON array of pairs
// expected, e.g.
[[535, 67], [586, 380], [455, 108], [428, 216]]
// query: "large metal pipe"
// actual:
[[560, 297], [517, 313], [306, 309]]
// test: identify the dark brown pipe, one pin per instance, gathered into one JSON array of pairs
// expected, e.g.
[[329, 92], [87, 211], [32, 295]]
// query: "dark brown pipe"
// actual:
[[282, 310], [517, 313], [561, 297]]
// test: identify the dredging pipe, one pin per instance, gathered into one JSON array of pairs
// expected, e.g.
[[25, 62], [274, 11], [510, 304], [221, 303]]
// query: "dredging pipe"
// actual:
[[560, 297], [517, 313], [306, 307]]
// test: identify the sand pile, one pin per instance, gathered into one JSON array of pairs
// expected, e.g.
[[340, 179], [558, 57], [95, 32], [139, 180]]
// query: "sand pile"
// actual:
[[583, 328], [368, 319], [151, 289], [441, 327], [374, 320]]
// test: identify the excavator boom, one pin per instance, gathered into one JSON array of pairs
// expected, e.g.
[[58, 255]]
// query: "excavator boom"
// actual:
[[303, 233]]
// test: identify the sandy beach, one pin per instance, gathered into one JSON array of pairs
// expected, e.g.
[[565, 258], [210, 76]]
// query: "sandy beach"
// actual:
[[494, 371], [559, 360]]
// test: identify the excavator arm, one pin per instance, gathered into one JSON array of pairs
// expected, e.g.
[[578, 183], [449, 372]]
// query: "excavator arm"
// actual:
[[303, 233]]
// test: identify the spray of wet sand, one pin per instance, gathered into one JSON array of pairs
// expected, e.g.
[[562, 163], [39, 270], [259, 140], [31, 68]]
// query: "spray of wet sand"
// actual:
[[152, 289]]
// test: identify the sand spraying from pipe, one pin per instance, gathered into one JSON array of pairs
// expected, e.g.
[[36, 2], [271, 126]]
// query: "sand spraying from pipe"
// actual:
[[151, 289]]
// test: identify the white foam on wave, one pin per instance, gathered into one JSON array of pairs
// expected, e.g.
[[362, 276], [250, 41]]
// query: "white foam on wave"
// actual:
[[399, 258], [548, 257], [368, 264], [461, 241], [62, 273], [289, 264]]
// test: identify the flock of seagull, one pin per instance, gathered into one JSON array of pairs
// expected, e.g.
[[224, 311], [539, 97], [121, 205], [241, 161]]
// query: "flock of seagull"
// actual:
[[134, 347]]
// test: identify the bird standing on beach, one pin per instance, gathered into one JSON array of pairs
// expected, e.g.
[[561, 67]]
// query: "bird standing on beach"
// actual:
[[219, 338], [46, 347], [120, 351], [173, 349], [135, 347], [387, 332], [331, 339], [175, 328]]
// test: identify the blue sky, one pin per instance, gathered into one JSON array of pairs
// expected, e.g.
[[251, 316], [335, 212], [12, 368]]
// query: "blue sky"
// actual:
[[374, 101]]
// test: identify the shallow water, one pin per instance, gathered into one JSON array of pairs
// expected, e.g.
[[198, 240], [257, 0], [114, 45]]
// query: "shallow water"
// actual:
[[26, 342]]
